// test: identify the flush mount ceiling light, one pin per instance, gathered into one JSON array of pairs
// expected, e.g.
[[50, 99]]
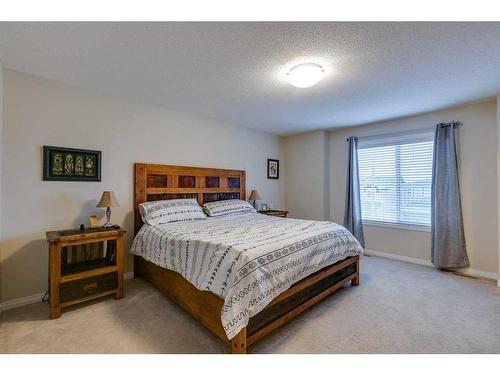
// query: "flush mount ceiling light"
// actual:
[[305, 75]]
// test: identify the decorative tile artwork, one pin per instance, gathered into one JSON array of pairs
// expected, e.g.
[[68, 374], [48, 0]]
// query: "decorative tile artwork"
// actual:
[[71, 164]]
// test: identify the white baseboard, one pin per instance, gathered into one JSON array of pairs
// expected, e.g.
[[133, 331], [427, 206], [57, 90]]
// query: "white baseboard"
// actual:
[[479, 273], [23, 301], [402, 258], [428, 263], [28, 300]]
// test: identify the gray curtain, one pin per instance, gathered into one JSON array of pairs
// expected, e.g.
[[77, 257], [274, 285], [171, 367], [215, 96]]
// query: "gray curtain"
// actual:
[[352, 215], [448, 239]]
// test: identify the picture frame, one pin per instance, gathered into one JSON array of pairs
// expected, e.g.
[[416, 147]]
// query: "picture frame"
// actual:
[[264, 207], [273, 169], [71, 164], [93, 222]]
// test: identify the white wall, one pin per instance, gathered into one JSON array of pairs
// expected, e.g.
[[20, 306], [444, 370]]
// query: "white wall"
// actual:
[[44, 112], [478, 173], [306, 175]]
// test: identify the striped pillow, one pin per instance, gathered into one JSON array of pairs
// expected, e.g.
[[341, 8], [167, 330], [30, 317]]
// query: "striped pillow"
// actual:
[[227, 207], [168, 211]]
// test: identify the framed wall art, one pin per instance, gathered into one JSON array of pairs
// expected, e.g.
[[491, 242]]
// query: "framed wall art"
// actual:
[[273, 168], [71, 164]]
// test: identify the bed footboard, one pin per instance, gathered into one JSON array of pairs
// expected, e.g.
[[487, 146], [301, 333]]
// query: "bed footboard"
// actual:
[[206, 306]]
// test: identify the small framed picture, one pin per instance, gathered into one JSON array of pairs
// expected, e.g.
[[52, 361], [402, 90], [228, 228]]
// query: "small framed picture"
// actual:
[[93, 222], [273, 168], [263, 207]]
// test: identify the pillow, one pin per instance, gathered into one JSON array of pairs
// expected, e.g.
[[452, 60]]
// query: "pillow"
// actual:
[[168, 211], [227, 207]]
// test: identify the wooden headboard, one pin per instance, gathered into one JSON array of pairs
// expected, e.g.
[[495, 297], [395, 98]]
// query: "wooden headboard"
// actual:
[[157, 182]]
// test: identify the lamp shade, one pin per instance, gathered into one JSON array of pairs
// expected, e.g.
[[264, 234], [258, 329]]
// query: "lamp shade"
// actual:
[[254, 195], [108, 199]]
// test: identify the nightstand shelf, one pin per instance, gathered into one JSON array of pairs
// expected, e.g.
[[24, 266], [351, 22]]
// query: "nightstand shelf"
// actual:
[[85, 299], [84, 265], [88, 273], [277, 213]]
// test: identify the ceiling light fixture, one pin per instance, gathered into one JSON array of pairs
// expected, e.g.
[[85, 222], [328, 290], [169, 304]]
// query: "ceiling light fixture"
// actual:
[[305, 75]]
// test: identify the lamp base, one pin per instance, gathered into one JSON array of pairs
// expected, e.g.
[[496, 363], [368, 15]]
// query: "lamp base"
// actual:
[[108, 218]]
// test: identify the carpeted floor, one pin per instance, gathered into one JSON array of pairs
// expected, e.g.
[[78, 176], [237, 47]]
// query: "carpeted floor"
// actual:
[[398, 308]]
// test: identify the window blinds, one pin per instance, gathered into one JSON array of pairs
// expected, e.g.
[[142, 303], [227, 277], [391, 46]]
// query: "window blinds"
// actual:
[[395, 174]]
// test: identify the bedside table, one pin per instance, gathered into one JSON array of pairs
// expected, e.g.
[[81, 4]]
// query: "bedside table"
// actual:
[[279, 213], [83, 265]]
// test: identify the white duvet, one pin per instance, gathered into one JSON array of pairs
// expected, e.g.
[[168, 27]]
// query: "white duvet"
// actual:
[[246, 259]]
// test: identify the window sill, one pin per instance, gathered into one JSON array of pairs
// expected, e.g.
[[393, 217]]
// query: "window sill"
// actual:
[[419, 228]]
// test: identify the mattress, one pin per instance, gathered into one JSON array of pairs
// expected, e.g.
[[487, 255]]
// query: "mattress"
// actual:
[[246, 259]]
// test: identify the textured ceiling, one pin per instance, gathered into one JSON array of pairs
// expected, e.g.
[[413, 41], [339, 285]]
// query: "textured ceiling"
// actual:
[[234, 72]]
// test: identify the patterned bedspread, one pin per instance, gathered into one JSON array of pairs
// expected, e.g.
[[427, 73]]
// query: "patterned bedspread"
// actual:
[[246, 259]]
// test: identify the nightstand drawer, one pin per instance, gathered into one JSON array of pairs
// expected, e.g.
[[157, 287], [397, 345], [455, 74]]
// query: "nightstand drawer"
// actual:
[[87, 287]]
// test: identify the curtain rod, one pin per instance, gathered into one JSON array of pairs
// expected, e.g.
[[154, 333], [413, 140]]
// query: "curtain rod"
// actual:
[[443, 125]]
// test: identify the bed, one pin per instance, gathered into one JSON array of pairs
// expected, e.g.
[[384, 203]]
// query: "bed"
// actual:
[[244, 275]]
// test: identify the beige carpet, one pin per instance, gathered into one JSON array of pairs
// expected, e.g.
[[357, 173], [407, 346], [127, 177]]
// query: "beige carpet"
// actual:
[[398, 308]]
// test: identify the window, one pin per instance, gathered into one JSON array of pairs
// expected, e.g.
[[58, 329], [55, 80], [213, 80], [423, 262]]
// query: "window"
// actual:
[[395, 174]]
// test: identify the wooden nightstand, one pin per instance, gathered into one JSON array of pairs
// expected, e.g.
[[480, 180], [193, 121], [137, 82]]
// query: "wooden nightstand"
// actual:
[[83, 265], [279, 213]]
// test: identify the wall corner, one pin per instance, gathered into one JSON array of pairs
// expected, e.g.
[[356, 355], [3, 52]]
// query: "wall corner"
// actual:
[[498, 186]]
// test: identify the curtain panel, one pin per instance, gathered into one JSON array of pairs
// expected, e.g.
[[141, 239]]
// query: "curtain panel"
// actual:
[[448, 238], [352, 214]]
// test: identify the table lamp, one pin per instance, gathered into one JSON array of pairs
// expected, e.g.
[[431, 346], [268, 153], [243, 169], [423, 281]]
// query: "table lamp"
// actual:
[[108, 200], [254, 196]]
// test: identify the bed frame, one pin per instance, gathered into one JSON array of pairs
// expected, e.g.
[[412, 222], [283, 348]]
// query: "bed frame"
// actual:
[[157, 182]]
